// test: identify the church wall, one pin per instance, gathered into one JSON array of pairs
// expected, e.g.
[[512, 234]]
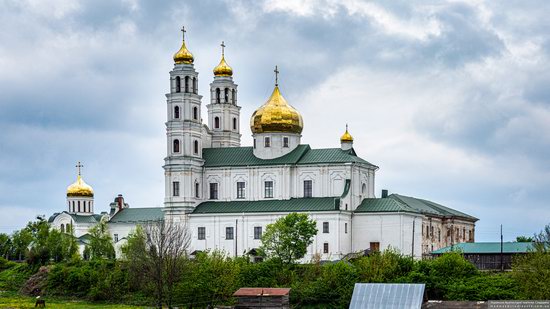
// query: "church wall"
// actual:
[[288, 181], [438, 233], [215, 236], [389, 230]]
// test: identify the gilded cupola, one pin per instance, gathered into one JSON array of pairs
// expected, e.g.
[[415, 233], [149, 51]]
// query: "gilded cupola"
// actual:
[[276, 115], [223, 69], [79, 187], [183, 56], [346, 137]]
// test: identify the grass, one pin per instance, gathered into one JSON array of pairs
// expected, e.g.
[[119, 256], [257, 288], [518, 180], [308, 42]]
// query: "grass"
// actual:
[[11, 300]]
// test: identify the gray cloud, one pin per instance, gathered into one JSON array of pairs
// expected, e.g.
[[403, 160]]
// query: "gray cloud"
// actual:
[[449, 98]]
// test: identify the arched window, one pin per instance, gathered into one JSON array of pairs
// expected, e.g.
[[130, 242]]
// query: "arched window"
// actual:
[[234, 123], [186, 84], [176, 145], [195, 113], [226, 95], [62, 228], [233, 96], [178, 84], [177, 112], [217, 95], [74, 209], [364, 188], [78, 203], [196, 147], [195, 85], [216, 122]]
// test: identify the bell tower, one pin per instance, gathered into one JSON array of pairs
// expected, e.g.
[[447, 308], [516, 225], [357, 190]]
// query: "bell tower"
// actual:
[[183, 163], [223, 111]]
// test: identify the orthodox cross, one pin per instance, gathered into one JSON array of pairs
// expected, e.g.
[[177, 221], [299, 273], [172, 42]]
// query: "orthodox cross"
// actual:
[[183, 31], [223, 48], [346, 127], [78, 166], [276, 76]]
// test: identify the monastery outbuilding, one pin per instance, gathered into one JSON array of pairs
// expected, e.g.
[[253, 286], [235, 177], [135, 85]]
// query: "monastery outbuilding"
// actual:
[[228, 193]]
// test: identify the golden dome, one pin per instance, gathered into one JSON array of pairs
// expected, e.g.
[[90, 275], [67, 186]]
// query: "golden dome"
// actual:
[[80, 188], [276, 115], [223, 69], [183, 55], [346, 137]]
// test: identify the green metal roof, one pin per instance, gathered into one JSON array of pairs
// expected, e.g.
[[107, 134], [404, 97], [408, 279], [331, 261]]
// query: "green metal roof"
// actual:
[[303, 154], [291, 205], [383, 205], [138, 215], [401, 203], [86, 218], [488, 247], [429, 207]]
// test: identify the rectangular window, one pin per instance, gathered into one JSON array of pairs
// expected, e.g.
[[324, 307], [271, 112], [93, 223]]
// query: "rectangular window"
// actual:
[[257, 232], [285, 142], [115, 237], [201, 232], [325, 227], [268, 193], [308, 188], [176, 188], [197, 190], [325, 247], [240, 189], [375, 246], [267, 142], [213, 191], [229, 233], [345, 228]]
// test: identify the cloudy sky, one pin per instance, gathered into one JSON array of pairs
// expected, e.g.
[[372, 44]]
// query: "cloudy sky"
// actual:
[[451, 99]]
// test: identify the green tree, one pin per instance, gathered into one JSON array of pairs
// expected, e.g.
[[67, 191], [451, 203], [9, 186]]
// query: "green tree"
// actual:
[[21, 241], [101, 244], [532, 272], [287, 239], [6, 245], [524, 239], [542, 240], [62, 245], [39, 231]]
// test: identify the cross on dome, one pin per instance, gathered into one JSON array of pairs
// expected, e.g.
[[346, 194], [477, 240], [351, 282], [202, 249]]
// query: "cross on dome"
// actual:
[[79, 166], [223, 48], [276, 76]]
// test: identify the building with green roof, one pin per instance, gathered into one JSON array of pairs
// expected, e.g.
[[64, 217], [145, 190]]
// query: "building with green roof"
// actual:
[[228, 193]]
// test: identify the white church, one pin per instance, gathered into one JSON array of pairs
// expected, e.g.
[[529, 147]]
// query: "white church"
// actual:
[[229, 193]]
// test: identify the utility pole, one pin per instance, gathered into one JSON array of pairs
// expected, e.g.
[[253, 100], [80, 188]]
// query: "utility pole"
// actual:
[[501, 251], [412, 249]]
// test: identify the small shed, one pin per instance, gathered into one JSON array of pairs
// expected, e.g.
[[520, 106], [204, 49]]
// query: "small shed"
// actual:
[[272, 298], [488, 255], [387, 296]]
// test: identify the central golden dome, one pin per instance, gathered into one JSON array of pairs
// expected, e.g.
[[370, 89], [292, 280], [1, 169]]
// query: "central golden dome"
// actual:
[[276, 115], [80, 188]]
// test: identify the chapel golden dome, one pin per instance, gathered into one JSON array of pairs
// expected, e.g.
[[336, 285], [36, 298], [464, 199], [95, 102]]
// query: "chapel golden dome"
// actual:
[[276, 115], [223, 69], [183, 55], [346, 137], [80, 188]]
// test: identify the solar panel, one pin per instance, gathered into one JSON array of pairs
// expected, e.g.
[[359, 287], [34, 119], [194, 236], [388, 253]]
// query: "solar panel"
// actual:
[[387, 296]]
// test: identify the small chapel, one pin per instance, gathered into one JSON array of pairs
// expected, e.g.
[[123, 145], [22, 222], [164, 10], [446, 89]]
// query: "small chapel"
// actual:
[[227, 193]]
